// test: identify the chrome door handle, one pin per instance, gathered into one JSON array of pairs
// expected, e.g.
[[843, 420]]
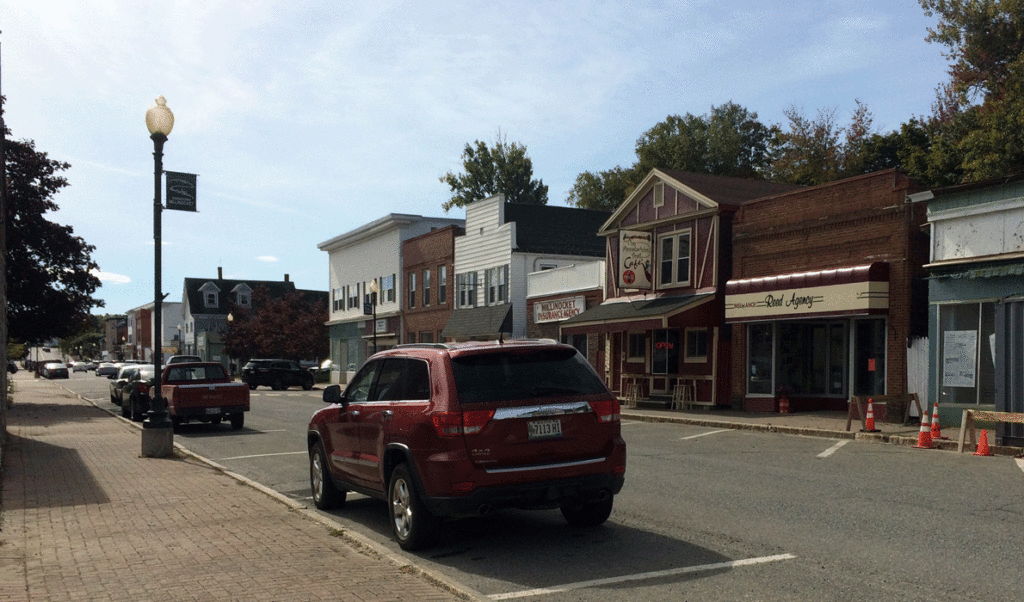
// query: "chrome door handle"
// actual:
[[387, 414]]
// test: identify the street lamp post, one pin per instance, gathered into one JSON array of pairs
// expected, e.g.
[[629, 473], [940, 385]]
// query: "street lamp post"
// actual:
[[158, 432]]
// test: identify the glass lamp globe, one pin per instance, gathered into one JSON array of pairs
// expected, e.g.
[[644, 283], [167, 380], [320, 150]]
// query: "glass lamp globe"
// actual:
[[160, 119]]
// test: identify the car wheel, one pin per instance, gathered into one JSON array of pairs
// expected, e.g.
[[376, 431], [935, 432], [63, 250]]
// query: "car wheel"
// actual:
[[277, 385], [113, 399], [134, 410], [215, 420], [326, 495], [307, 385], [413, 525], [590, 514], [237, 420], [126, 409]]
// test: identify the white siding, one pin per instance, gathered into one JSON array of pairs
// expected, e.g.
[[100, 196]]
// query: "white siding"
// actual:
[[964, 234], [579, 276]]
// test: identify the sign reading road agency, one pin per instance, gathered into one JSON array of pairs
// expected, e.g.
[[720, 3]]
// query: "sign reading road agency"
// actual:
[[635, 253], [851, 298], [557, 310], [181, 191]]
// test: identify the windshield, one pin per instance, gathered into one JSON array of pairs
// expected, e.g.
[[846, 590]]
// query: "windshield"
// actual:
[[532, 375]]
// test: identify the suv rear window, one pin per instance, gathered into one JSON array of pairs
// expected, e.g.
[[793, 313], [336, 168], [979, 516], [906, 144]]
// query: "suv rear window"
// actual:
[[531, 375], [192, 373]]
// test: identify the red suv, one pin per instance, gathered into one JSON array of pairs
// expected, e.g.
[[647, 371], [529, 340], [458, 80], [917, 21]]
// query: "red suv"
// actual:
[[462, 429]]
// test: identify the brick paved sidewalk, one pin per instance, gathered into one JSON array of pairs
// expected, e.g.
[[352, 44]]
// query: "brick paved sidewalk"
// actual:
[[84, 517]]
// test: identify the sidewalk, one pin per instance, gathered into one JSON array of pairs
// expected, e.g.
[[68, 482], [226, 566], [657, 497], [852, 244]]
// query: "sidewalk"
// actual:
[[84, 517]]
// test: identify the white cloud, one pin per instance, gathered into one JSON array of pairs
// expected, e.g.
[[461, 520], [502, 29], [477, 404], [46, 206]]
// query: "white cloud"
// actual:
[[267, 258], [110, 277]]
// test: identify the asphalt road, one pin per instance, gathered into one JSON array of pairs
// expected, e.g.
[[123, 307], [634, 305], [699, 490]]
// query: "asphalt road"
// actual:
[[706, 514]]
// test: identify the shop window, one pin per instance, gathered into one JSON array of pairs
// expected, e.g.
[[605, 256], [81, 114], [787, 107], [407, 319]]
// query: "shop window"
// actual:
[[869, 357], [760, 348], [674, 259], [966, 345], [637, 347], [427, 336], [665, 352], [579, 341], [696, 345]]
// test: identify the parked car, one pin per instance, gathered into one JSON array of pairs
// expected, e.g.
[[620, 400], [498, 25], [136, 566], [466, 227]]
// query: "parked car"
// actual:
[[276, 374], [135, 393], [446, 431], [79, 367], [55, 370], [204, 392], [118, 380], [12, 367], [181, 359], [106, 369]]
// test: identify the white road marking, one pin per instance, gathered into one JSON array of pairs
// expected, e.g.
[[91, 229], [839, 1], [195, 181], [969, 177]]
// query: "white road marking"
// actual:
[[265, 455], [640, 577], [1020, 463], [828, 452], [704, 434]]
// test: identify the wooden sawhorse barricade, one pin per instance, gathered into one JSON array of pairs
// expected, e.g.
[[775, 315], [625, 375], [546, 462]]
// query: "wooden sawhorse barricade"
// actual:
[[890, 402], [967, 423]]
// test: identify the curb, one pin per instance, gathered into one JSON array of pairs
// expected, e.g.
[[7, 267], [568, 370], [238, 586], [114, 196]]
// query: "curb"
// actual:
[[942, 445], [356, 540]]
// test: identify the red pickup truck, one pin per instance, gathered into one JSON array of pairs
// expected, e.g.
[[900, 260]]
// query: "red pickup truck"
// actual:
[[203, 391]]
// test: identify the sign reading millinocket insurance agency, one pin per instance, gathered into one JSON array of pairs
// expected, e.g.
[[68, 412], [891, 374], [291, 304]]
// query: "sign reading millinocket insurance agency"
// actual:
[[635, 252], [181, 191], [557, 310]]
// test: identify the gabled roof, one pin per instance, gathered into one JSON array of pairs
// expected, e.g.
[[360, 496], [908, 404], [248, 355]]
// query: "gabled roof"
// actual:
[[554, 230], [197, 304], [708, 190]]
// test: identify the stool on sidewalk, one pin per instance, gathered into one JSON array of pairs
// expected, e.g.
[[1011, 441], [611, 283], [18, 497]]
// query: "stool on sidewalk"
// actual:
[[682, 394], [631, 391]]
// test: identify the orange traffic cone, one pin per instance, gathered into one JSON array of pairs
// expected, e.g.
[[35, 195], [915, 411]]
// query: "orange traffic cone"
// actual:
[[983, 445], [924, 437], [936, 429], [869, 422], [784, 404]]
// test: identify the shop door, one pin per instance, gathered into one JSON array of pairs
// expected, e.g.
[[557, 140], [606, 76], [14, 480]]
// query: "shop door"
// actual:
[[665, 359], [1009, 369], [869, 357]]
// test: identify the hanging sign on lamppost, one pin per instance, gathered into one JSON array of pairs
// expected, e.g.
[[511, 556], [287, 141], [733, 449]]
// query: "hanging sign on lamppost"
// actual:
[[181, 191]]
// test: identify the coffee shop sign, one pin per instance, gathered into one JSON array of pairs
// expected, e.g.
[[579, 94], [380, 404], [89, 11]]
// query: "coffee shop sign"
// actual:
[[557, 310]]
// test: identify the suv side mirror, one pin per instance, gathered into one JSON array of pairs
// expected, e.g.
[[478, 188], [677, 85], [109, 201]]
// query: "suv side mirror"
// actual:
[[332, 394]]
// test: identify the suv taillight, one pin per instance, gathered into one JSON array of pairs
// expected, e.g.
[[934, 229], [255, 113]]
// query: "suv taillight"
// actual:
[[453, 424], [607, 410]]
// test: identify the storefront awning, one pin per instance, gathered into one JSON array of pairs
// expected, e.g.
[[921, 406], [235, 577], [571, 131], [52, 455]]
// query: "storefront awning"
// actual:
[[475, 322], [855, 290], [642, 314]]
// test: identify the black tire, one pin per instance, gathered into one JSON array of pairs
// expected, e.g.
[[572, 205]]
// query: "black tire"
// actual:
[[307, 384], [326, 495], [215, 420], [113, 400], [413, 526], [277, 385], [237, 421], [126, 410], [588, 515]]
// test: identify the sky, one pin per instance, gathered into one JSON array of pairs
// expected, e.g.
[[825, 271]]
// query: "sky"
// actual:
[[307, 119]]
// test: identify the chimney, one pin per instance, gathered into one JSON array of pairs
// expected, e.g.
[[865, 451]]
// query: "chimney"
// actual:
[[220, 273], [286, 277]]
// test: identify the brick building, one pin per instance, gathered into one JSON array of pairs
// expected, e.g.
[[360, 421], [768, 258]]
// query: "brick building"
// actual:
[[827, 293], [428, 266]]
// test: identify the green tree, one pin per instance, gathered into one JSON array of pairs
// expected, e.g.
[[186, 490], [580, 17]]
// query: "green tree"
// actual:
[[50, 283], [728, 141], [290, 327], [503, 168], [977, 129]]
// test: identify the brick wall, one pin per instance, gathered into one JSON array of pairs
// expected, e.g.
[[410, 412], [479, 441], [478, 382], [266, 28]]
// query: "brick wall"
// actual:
[[429, 251], [851, 222]]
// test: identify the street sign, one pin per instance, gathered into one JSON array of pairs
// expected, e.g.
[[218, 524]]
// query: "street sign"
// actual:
[[181, 191]]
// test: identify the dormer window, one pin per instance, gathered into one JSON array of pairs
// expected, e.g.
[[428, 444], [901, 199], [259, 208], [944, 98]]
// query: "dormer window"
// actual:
[[242, 295], [211, 295], [242, 300]]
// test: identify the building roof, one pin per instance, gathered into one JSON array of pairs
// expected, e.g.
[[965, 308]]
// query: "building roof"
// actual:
[[197, 305], [555, 230]]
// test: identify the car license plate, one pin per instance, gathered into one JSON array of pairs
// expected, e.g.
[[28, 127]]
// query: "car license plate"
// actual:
[[537, 429], [213, 410]]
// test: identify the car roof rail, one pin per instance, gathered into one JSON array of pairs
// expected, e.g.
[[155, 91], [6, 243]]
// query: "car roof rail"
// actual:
[[424, 346]]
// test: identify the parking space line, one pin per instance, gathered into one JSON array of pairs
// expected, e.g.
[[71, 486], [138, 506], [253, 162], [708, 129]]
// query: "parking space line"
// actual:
[[640, 577], [828, 452], [1020, 463], [265, 455], [705, 434]]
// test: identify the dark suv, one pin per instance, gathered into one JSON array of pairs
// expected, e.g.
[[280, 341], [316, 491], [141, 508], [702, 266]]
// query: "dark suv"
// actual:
[[462, 429], [276, 374]]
